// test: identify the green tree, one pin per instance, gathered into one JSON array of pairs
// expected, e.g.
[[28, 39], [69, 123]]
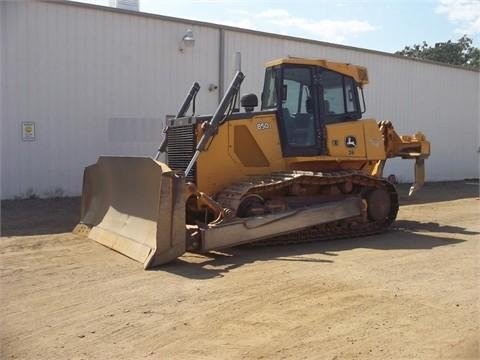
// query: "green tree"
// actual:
[[461, 53]]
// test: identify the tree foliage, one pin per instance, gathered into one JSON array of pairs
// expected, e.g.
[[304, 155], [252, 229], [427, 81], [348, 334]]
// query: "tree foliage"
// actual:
[[461, 53]]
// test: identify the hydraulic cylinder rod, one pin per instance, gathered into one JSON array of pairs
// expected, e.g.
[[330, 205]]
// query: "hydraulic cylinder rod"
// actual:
[[183, 109], [217, 117]]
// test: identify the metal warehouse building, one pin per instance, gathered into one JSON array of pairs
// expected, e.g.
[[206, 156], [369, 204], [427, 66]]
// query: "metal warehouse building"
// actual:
[[80, 80]]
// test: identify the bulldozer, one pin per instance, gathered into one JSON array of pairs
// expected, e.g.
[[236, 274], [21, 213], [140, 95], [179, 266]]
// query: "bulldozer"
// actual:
[[303, 167]]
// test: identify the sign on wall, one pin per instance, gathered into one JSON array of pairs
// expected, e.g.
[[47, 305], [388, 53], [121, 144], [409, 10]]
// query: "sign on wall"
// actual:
[[28, 131]]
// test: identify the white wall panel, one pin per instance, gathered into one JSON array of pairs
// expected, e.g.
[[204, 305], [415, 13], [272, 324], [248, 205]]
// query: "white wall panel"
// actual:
[[2, 69], [80, 74], [440, 101], [100, 81]]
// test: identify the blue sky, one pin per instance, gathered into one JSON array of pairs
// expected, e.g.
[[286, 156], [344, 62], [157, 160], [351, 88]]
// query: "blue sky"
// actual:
[[386, 25]]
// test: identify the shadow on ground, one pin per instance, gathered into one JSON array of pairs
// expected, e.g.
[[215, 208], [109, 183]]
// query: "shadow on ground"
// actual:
[[55, 216], [433, 227], [216, 264], [39, 216], [439, 191]]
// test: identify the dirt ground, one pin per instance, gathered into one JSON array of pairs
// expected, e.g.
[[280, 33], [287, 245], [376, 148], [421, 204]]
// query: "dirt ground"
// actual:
[[411, 293]]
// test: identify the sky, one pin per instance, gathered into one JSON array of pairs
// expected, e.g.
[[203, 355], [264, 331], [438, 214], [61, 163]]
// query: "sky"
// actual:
[[383, 25]]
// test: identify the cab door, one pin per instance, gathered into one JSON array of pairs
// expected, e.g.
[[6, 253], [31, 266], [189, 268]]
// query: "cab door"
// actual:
[[339, 111], [300, 130]]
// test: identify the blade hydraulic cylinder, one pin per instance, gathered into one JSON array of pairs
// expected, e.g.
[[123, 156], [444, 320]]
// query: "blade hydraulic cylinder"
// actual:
[[183, 109], [217, 117]]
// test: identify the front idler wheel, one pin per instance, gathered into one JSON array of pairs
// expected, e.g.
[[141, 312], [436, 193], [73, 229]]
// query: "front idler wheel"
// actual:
[[251, 205]]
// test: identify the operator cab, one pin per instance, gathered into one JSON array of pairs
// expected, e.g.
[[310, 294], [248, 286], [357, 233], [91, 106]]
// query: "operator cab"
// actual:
[[307, 97]]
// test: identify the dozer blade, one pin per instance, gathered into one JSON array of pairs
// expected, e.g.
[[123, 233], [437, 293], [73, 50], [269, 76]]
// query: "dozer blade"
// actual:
[[135, 206]]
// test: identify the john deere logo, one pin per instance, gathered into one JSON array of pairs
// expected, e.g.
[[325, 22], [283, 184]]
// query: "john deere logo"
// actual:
[[351, 142]]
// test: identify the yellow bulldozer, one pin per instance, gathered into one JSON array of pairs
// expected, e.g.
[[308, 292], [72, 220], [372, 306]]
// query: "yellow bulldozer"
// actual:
[[304, 167]]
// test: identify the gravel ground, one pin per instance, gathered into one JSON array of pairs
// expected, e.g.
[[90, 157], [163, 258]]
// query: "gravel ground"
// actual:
[[411, 293]]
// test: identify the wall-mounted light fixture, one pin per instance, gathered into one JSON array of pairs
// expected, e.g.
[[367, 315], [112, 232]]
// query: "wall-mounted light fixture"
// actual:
[[188, 40]]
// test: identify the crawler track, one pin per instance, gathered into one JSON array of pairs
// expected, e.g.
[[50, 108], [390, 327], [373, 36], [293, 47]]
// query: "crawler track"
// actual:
[[325, 187]]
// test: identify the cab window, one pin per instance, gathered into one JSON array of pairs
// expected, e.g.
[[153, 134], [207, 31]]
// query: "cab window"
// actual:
[[297, 109], [339, 97], [269, 94]]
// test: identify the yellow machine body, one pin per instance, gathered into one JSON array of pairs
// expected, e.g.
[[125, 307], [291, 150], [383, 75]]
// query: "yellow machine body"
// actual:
[[305, 163], [253, 147]]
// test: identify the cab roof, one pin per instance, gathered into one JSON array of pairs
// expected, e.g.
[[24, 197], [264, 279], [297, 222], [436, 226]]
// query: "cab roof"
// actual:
[[358, 73]]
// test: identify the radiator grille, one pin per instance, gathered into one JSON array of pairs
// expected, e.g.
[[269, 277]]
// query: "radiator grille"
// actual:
[[181, 147]]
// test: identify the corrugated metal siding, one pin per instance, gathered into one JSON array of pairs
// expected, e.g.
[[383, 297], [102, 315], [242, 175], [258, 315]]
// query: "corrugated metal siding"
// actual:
[[83, 75], [99, 81], [2, 70], [440, 101]]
